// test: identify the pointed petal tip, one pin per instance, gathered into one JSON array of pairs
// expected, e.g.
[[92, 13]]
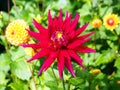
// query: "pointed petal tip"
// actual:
[[29, 60], [74, 75], [61, 76], [34, 20], [40, 71], [23, 45]]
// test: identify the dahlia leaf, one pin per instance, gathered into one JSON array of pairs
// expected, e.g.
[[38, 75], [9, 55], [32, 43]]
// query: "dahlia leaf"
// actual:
[[21, 69]]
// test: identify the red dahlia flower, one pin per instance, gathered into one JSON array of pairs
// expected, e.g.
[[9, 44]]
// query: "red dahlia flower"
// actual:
[[61, 41]]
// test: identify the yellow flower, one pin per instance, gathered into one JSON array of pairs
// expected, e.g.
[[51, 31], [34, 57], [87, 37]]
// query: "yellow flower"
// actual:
[[28, 50], [118, 82], [111, 21], [96, 23], [16, 33], [95, 71]]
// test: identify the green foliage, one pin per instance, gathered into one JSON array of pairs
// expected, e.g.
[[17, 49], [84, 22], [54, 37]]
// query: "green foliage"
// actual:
[[17, 74]]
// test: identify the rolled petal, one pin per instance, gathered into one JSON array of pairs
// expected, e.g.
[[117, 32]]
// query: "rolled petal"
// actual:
[[49, 17], [66, 15], [61, 63], [34, 34], [75, 21], [68, 63], [37, 45], [50, 21], [77, 43], [49, 60], [85, 36], [39, 27], [60, 16], [84, 49], [81, 29], [66, 24], [76, 58], [40, 54]]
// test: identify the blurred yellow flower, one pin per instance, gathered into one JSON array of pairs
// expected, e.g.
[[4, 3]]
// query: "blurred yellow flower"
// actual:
[[96, 23], [118, 82], [111, 21], [95, 71], [28, 50], [16, 33]]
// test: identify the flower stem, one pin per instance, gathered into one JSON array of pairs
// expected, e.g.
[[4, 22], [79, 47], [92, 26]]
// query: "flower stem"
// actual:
[[8, 10], [31, 70], [94, 41], [54, 75], [63, 82]]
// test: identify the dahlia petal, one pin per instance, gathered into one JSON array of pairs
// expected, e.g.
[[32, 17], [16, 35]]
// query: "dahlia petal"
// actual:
[[36, 45], [67, 23], [49, 60], [50, 21], [71, 34], [34, 34], [39, 27], [61, 64], [66, 15], [77, 43], [60, 16], [84, 49], [68, 63], [85, 36], [76, 58], [75, 21], [40, 54], [81, 29], [49, 17]]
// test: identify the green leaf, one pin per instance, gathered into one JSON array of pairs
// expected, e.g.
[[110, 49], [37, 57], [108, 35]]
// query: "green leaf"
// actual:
[[118, 30], [18, 85], [20, 69], [117, 63], [76, 81], [4, 62], [17, 53], [105, 57], [52, 85], [4, 41], [84, 11], [3, 79], [2, 87]]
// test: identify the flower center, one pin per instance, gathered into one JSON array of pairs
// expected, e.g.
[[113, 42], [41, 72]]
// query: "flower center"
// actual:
[[110, 21], [13, 33], [58, 39]]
